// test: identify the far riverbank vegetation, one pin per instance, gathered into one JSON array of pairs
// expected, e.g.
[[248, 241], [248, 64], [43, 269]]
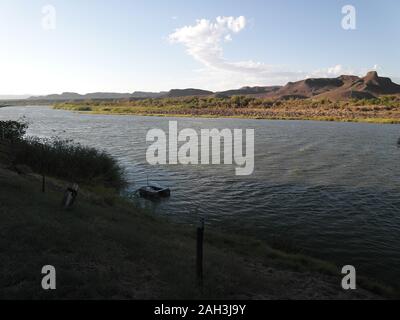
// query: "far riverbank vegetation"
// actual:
[[385, 109]]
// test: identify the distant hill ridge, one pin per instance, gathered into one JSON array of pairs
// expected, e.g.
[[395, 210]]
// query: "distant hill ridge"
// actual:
[[98, 95], [176, 93], [340, 88]]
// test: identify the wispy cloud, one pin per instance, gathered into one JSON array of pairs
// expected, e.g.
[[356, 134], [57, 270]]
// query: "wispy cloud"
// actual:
[[204, 42]]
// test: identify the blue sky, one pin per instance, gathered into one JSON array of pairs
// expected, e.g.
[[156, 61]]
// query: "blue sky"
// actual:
[[124, 46]]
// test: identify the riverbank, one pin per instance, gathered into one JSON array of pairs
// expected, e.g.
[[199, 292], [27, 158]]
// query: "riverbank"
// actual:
[[384, 110], [105, 249], [211, 116]]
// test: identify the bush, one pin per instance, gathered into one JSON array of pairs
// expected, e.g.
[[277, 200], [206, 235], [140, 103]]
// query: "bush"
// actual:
[[71, 161], [13, 130], [84, 108]]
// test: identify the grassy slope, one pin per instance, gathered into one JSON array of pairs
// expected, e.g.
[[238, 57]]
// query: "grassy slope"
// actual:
[[103, 251]]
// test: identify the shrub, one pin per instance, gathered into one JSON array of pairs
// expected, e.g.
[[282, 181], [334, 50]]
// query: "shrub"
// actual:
[[65, 159], [13, 130], [84, 108]]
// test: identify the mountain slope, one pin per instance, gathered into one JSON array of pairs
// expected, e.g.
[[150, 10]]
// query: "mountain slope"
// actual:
[[72, 96], [177, 93], [340, 88], [65, 96], [246, 91], [374, 84]]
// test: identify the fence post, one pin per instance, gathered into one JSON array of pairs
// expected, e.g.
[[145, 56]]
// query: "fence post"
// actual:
[[70, 195], [199, 256]]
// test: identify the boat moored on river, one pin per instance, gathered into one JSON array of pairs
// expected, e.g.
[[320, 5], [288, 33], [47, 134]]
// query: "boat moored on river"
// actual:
[[153, 192]]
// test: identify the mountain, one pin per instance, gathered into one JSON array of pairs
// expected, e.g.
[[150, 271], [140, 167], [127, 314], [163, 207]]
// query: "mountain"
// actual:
[[63, 96], [67, 96], [13, 97], [374, 84], [177, 93], [145, 95], [246, 91], [368, 87], [308, 88], [106, 95], [340, 88], [174, 93]]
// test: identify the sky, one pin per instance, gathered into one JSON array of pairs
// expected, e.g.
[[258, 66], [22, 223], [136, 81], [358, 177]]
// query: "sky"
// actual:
[[56, 46]]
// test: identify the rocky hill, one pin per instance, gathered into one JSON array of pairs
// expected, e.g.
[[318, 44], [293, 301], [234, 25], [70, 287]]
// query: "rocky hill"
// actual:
[[340, 88]]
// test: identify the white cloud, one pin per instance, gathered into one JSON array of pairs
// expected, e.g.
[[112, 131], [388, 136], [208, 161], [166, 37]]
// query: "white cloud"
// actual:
[[204, 42], [228, 38], [332, 72]]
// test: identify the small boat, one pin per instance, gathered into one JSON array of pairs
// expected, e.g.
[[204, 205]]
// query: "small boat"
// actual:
[[153, 192]]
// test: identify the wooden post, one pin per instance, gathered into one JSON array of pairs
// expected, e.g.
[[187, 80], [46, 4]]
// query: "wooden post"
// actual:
[[70, 195], [199, 256]]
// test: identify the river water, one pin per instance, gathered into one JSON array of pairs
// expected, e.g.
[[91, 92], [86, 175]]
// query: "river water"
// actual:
[[330, 189]]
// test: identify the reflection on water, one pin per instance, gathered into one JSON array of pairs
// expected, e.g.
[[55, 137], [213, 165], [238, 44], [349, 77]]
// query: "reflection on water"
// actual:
[[333, 189]]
